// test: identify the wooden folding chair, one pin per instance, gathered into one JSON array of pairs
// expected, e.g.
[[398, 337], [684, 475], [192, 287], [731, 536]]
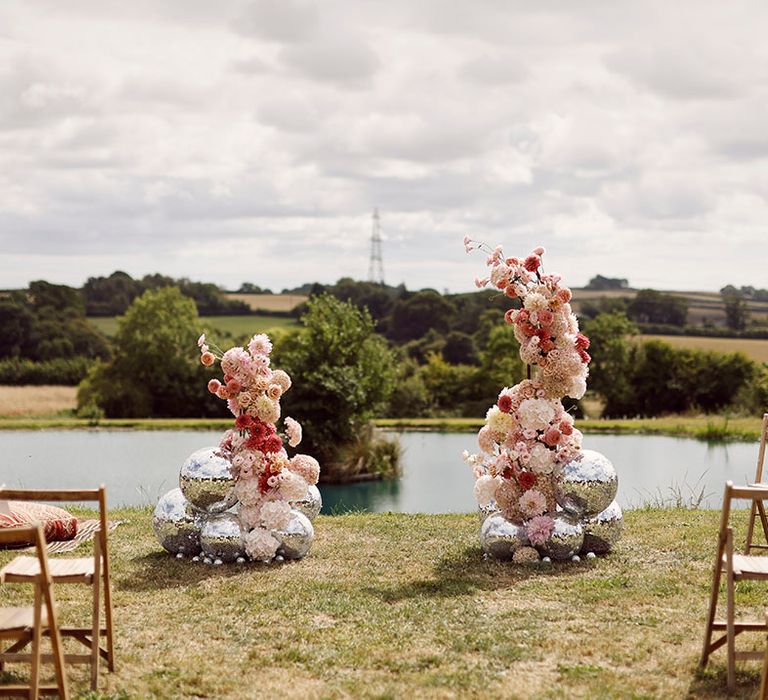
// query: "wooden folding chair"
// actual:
[[763, 694], [758, 507], [736, 567], [28, 624], [92, 571]]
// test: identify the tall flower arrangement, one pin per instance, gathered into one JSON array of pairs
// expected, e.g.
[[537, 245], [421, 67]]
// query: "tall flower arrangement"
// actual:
[[528, 437], [267, 481]]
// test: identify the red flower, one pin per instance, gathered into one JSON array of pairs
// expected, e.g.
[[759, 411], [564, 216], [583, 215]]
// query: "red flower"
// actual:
[[273, 444], [255, 443], [585, 356], [566, 428], [509, 291], [532, 263], [243, 421], [582, 342], [508, 315], [233, 387], [526, 480], [505, 403]]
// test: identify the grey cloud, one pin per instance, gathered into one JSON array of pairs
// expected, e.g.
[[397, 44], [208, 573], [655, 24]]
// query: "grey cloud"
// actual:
[[279, 20], [343, 60], [493, 70]]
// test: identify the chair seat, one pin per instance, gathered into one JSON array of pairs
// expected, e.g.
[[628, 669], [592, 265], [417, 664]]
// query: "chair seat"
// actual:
[[62, 570], [749, 566], [19, 618]]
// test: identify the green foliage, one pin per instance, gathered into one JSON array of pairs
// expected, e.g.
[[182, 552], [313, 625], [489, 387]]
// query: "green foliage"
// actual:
[[460, 349], [654, 378], [736, 313], [410, 398], [68, 371], [650, 306], [343, 373], [414, 316], [46, 324], [155, 370], [370, 454], [610, 367]]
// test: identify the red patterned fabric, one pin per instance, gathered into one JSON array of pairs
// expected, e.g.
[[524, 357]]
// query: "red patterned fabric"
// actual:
[[58, 524]]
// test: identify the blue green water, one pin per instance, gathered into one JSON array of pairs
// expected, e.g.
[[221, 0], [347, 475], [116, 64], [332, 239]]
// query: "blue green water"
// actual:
[[138, 467]]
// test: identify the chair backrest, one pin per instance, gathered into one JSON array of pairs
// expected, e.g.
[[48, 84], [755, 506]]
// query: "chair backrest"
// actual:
[[755, 494], [761, 451], [98, 495]]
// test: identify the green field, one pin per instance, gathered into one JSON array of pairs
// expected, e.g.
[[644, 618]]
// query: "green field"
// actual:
[[391, 605], [755, 349], [235, 325]]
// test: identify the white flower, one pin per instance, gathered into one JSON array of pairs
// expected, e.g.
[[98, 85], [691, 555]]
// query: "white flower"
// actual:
[[498, 422], [485, 489], [260, 545], [292, 486], [537, 414], [535, 302], [266, 409], [260, 345], [275, 515], [281, 378], [542, 459], [532, 503], [248, 491]]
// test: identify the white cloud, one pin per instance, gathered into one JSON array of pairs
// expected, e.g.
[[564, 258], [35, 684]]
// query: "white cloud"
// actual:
[[244, 140]]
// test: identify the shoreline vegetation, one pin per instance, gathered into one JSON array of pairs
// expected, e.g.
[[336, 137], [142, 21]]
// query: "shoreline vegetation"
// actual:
[[399, 605], [713, 428]]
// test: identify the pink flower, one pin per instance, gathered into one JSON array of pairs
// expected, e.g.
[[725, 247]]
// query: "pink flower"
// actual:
[[201, 341], [509, 316], [539, 250], [564, 294], [551, 436], [207, 359], [222, 392], [532, 263], [213, 385], [582, 342], [480, 283], [292, 431], [274, 391], [546, 317], [532, 503], [566, 428], [539, 529], [510, 291], [260, 345], [585, 356], [233, 387], [468, 247]]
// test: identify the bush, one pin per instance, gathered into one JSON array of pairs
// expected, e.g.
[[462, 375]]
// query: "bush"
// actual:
[[343, 374], [68, 371]]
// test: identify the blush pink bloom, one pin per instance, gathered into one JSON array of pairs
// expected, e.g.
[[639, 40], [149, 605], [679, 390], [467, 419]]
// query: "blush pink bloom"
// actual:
[[509, 316], [582, 342], [539, 529], [274, 391], [564, 294], [539, 250], [532, 503], [551, 437], [213, 385], [207, 359], [201, 341], [233, 387], [546, 317], [480, 283], [222, 392], [292, 431], [468, 247]]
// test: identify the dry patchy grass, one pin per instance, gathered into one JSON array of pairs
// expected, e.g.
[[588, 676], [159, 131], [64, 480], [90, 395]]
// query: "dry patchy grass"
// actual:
[[270, 302], [395, 605], [28, 401]]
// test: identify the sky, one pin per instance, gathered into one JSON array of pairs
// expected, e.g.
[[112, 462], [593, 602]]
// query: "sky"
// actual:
[[236, 142]]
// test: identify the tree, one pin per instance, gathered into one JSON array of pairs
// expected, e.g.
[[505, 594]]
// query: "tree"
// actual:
[[155, 370], [460, 349], [413, 317], [650, 306], [342, 372], [600, 282], [736, 312], [611, 364], [16, 321]]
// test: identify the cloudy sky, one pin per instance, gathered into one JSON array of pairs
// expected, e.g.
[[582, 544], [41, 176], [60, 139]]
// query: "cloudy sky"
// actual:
[[234, 141]]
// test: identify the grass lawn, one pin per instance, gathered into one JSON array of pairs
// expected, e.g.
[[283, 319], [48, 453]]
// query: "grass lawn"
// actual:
[[236, 325], [393, 605]]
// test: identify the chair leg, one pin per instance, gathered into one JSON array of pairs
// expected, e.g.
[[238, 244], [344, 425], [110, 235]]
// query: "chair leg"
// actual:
[[763, 694], [108, 623], [714, 594], [731, 642], [34, 672], [96, 623]]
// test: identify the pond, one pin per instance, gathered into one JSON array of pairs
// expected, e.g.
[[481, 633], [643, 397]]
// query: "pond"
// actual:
[[139, 466]]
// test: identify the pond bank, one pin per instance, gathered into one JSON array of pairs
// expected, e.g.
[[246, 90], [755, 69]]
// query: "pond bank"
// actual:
[[701, 427]]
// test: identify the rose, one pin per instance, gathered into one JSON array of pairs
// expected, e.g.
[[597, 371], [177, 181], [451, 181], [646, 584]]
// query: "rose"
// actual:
[[207, 359]]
